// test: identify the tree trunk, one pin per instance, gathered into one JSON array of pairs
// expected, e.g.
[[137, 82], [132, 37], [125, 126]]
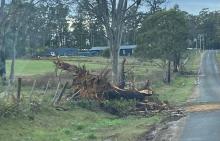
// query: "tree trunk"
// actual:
[[169, 72], [175, 66], [115, 57], [3, 30], [12, 72], [115, 37], [2, 57], [19, 91], [122, 75], [176, 63], [115, 75]]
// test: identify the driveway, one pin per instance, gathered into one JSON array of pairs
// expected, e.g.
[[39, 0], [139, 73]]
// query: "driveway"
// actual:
[[205, 126]]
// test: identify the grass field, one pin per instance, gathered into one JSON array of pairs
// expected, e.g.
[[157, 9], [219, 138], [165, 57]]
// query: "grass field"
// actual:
[[31, 67], [178, 91], [83, 125], [218, 56], [181, 87], [142, 70], [76, 125]]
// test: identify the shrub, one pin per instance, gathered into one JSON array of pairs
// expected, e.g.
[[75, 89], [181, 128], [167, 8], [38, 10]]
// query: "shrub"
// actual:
[[66, 131], [10, 110], [119, 107], [80, 127], [92, 136], [87, 104], [106, 53]]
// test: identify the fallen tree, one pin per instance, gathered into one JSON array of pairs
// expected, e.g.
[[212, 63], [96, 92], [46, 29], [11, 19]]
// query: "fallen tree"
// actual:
[[96, 86]]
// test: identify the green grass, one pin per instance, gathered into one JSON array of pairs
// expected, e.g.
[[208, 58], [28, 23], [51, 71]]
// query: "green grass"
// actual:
[[31, 67], [178, 91], [78, 124], [181, 87], [193, 62], [142, 70], [35, 67], [218, 56]]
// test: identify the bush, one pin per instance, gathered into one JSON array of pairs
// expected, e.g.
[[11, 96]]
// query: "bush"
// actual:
[[106, 53], [66, 131], [119, 107], [80, 127], [92, 137], [86, 104], [10, 110]]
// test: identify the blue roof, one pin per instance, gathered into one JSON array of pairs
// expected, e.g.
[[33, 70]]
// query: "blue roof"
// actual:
[[128, 46], [105, 47], [66, 49], [98, 48]]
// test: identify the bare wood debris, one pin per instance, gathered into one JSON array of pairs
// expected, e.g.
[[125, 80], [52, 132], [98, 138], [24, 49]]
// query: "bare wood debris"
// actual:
[[98, 87]]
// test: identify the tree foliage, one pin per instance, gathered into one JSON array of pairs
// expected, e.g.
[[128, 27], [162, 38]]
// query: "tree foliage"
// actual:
[[163, 35], [154, 5], [208, 25]]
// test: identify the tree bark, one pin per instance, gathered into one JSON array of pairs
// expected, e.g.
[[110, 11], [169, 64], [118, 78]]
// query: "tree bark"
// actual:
[[12, 72], [169, 72], [1, 56], [114, 44], [2, 48], [176, 63], [115, 57], [122, 74], [19, 90], [175, 66]]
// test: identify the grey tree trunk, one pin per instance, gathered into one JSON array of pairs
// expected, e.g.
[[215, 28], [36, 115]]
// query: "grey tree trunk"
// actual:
[[115, 57], [169, 72], [114, 44], [176, 63], [2, 34], [115, 36], [2, 65], [12, 72]]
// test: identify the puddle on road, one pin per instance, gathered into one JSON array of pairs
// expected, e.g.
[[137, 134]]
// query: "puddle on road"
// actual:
[[203, 108]]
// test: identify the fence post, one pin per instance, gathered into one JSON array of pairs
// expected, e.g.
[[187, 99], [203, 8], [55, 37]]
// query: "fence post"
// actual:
[[55, 96], [48, 82], [19, 90], [30, 98], [61, 94]]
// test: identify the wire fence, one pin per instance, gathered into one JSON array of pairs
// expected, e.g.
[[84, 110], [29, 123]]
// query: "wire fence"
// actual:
[[29, 90]]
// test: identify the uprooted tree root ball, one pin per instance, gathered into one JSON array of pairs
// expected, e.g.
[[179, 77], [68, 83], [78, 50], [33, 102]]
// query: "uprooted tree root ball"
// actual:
[[86, 85]]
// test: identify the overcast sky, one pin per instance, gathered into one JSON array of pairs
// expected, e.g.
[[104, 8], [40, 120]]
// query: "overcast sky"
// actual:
[[194, 6]]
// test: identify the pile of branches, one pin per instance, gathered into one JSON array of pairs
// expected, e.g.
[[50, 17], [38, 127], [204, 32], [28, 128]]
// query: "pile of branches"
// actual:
[[96, 86]]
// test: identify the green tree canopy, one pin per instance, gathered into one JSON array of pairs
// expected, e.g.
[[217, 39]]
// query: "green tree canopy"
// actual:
[[163, 35]]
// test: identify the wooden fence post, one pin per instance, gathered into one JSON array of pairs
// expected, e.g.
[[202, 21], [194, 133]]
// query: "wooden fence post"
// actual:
[[48, 82], [30, 98], [19, 90], [55, 96], [57, 100]]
